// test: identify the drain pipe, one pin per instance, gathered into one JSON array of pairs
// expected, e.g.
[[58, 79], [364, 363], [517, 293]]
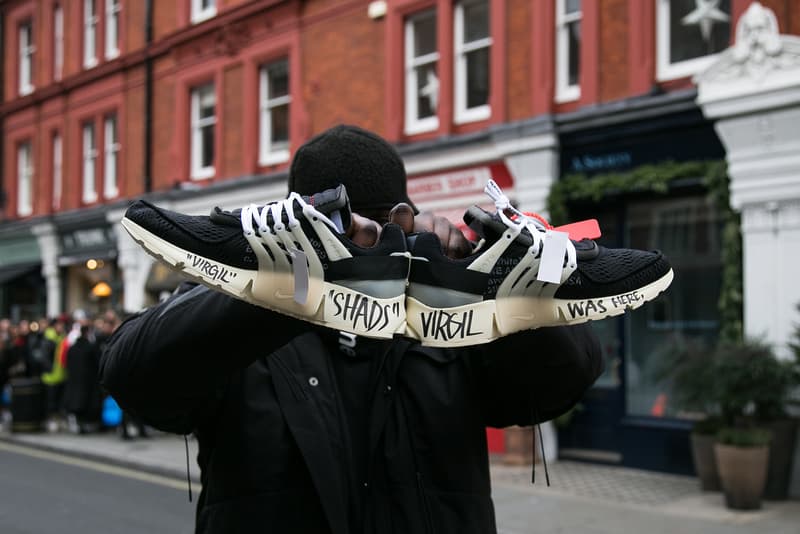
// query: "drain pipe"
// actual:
[[148, 100]]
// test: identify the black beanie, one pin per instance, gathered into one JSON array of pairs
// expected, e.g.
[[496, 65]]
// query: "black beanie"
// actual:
[[368, 166]]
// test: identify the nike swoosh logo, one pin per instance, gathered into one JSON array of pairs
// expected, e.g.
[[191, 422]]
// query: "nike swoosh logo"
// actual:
[[283, 296], [523, 317]]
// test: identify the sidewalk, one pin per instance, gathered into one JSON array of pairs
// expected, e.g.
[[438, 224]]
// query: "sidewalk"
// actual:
[[583, 498]]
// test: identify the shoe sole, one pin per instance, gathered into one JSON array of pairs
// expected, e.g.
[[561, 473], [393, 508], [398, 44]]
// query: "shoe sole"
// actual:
[[328, 304], [482, 322]]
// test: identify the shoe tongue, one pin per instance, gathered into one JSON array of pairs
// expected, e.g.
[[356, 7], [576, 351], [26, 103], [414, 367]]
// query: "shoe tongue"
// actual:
[[334, 204], [490, 227]]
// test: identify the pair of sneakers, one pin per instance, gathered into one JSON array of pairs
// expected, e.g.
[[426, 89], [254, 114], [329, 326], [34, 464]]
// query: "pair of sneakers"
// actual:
[[293, 256]]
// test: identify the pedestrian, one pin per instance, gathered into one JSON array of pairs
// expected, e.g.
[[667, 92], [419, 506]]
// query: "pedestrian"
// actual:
[[304, 429], [82, 397]]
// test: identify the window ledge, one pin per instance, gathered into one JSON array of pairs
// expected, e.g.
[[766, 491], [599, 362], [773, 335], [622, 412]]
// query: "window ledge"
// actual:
[[203, 174], [424, 126], [480, 113], [274, 158], [683, 69], [568, 94]]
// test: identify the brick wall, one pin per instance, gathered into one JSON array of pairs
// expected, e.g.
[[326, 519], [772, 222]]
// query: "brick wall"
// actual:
[[518, 74], [613, 49]]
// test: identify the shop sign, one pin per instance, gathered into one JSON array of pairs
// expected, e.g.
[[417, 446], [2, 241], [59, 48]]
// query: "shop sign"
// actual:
[[457, 183], [82, 243]]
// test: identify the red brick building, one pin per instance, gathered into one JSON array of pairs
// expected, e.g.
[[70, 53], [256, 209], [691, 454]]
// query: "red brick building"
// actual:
[[196, 103]]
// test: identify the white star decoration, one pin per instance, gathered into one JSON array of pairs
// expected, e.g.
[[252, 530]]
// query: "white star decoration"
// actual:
[[705, 14], [431, 89]]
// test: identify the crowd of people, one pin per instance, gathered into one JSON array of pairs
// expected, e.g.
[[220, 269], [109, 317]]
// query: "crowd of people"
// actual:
[[62, 354]]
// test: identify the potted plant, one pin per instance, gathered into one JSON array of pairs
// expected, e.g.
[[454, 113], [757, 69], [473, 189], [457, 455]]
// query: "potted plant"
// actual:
[[742, 455], [689, 366], [746, 376]]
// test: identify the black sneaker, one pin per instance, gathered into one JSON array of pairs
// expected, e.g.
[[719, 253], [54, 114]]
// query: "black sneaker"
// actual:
[[522, 275], [290, 256]]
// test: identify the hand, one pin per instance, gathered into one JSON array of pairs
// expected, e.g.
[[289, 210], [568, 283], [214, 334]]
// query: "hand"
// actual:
[[454, 244]]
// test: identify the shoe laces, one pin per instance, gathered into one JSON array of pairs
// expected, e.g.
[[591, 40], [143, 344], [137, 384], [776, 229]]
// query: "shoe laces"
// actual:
[[559, 252], [260, 216]]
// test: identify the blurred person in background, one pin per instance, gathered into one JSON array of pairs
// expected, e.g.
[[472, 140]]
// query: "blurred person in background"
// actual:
[[82, 396], [55, 377]]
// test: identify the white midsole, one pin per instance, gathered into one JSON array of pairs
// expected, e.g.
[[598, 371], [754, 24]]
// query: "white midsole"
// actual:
[[482, 322], [326, 304]]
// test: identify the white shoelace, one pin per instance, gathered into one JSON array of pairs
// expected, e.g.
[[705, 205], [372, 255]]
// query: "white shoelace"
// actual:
[[554, 245]]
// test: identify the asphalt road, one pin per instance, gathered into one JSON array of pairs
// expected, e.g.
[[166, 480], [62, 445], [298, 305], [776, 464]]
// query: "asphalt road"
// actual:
[[42, 492]]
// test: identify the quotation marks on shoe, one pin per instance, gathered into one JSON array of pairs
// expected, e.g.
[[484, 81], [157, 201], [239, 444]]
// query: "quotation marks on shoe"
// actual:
[[363, 312], [212, 270]]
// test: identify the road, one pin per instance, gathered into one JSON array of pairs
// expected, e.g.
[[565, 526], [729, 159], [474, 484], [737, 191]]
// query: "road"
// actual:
[[43, 492]]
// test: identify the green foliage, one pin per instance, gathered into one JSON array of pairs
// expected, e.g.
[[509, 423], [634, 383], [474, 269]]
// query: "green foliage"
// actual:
[[709, 426], [744, 437], [657, 179]]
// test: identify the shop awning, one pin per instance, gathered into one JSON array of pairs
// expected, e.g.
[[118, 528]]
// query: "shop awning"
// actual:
[[13, 272]]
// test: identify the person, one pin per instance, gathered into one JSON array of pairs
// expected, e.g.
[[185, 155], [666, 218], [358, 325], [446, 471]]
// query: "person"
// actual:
[[82, 397], [304, 429]]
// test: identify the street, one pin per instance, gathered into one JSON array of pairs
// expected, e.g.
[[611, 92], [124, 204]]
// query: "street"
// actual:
[[49, 492]]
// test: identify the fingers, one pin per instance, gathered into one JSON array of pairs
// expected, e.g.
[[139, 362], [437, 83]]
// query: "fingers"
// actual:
[[454, 244], [403, 216], [363, 232]]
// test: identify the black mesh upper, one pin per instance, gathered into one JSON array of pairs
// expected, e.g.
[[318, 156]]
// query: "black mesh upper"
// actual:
[[612, 272], [222, 243]]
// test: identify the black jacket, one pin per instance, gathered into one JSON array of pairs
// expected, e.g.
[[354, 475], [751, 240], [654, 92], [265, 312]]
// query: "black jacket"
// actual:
[[282, 447]]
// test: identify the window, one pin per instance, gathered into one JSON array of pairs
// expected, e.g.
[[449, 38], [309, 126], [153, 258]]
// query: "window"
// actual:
[[203, 123], [688, 35], [89, 160], [422, 81], [274, 117], [110, 154], [58, 42], [89, 34], [25, 180], [472, 45], [112, 28], [57, 172], [203, 10], [688, 231], [568, 50], [26, 49]]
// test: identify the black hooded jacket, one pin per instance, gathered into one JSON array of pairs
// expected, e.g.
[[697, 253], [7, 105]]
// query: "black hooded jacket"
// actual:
[[305, 430]]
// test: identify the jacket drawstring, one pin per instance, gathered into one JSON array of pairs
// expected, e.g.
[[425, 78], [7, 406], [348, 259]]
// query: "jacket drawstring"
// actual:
[[188, 476], [535, 415]]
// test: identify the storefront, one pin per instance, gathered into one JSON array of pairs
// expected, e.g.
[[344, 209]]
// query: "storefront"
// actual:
[[629, 417], [90, 279], [22, 294]]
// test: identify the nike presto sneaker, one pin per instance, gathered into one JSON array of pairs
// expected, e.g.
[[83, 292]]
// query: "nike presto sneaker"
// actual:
[[522, 275], [291, 256]]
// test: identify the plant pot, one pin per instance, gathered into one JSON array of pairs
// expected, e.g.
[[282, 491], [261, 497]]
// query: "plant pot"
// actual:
[[743, 474], [781, 452], [705, 462]]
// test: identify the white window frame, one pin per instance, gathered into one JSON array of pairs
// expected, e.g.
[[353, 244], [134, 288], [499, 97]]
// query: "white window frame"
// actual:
[[564, 91], [113, 7], [58, 176], [198, 172], [58, 42], [199, 14], [26, 50], [462, 114], [89, 185], [110, 157], [664, 69], [25, 179], [90, 21], [267, 153], [413, 125]]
